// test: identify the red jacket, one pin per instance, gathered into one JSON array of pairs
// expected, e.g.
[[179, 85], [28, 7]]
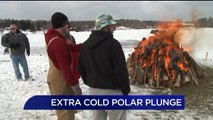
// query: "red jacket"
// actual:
[[74, 51], [58, 52]]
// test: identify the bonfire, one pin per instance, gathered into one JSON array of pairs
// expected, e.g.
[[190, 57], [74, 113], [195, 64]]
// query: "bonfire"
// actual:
[[161, 61]]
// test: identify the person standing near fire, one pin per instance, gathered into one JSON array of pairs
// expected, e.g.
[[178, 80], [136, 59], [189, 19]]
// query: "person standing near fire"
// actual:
[[17, 44], [60, 78], [102, 66]]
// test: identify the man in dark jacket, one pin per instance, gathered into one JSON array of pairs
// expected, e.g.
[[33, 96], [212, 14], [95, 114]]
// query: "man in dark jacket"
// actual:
[[102, 65], [17, 42]]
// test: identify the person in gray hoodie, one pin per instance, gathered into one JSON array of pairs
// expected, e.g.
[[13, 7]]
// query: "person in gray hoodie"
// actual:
[[18, 43]]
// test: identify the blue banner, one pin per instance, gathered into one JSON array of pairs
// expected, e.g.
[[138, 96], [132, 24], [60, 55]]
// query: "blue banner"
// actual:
[[106, 102]]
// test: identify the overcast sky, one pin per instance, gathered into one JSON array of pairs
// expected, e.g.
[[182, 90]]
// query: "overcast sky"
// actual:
[[85, 10]]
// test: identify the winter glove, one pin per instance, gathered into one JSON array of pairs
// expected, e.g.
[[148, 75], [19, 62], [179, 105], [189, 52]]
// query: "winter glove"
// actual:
[[6, 51], [77, 90], [28, 52], [14, 45]]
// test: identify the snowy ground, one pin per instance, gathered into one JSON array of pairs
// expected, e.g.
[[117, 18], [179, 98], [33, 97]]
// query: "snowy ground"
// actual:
[[15, 93]]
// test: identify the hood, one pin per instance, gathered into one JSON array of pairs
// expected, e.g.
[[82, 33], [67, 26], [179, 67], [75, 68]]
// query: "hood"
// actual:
[[97, 37], [51, 33]]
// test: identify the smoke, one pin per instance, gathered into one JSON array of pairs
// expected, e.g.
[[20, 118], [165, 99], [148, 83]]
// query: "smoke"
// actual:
[[196, 39], [199, 41], [194, 15]]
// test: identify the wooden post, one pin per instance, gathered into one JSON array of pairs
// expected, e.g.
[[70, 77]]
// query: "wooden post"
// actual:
[[144, 82], [157, 68], [206, 56]]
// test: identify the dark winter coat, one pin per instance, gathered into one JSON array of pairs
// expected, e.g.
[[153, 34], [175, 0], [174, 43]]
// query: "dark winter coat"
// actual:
[[102, 63], [16, 42]]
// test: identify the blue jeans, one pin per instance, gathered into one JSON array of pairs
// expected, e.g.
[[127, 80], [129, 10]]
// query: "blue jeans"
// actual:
[[16, 59]]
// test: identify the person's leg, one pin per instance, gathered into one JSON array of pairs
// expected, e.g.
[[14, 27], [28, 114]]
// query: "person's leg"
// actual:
[[65, 115], [99, 115], [104, 113], [97, 91], [15, 62], [23, 62], [117, 114], [58, 86]]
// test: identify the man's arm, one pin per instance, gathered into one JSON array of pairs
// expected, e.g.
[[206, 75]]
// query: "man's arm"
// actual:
[[81, 68], [61, 52], [27, 44], [75, 48]]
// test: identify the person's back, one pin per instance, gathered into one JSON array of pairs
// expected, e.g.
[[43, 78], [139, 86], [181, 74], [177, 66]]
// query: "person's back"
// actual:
[[102, 66], [104, 62]]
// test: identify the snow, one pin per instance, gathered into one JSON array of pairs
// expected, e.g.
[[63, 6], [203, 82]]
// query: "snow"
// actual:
[[15, 93], [122, 28]]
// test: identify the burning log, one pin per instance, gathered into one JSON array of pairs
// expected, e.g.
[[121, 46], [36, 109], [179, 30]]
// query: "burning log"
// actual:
[[159, 61]]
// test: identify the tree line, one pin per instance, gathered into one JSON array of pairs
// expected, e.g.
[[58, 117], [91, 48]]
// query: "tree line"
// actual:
[[88, 25], [24, 24], [204, 22]]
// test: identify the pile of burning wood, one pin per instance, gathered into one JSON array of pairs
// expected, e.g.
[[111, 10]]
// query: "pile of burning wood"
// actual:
[[160, 61]]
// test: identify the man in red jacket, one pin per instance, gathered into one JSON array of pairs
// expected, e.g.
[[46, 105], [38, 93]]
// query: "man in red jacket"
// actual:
[[60, 78]]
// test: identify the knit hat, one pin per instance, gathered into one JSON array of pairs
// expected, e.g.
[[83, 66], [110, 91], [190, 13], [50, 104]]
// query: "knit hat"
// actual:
[[58, 20], [103, 20]]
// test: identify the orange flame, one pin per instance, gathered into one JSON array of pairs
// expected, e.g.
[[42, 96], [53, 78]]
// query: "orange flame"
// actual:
[[163, 50]]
